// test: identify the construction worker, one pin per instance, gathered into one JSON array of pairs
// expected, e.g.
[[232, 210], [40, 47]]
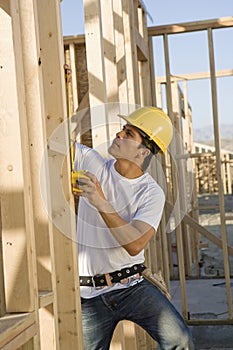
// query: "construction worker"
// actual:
[[120, 207]]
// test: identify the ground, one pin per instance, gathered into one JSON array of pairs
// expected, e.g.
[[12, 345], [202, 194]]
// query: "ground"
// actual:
[[210, 219]]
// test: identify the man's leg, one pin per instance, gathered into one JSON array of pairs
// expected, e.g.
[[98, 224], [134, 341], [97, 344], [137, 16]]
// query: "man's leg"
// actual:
[[143, 304], [98, 324], [150, 309]]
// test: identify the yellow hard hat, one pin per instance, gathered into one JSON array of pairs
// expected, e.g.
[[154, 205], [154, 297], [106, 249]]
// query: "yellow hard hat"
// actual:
[[154, 123]]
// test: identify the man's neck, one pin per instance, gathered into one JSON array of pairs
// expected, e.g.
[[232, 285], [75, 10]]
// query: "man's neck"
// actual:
[[128, 169]]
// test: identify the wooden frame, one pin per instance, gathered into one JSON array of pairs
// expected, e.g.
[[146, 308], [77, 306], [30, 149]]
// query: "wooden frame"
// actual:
[[39, 278], [39, 295]]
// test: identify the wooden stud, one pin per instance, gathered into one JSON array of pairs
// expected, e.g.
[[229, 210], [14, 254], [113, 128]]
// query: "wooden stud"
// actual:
[[120, 52], [18, 229], [175, 194], [73, 76], [62, 204], [16, 330], [131, 52], [218, 169]]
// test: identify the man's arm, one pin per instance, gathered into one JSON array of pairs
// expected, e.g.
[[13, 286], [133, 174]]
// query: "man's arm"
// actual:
[[133, 237]]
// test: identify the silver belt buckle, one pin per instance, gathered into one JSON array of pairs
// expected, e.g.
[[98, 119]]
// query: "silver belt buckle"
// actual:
[[130, 279]]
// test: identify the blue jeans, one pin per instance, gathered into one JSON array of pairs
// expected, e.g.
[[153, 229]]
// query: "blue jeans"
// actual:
[[142, 304]]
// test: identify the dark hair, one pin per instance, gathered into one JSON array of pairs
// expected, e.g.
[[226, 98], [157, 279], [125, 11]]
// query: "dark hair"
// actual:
[[151, 145], [154, 149]]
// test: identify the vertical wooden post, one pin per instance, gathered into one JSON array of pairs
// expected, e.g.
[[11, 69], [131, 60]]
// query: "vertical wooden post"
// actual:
[[96, 71], [17, 228], [175, 187], [2, 284], [188, 139], [219, 174], [18, 239], [62, 205], [131, 52], [120, 52], [73, 76], [36, 138]]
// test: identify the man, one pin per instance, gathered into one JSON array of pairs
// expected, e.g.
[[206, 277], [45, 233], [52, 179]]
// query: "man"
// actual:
[[120, 207]]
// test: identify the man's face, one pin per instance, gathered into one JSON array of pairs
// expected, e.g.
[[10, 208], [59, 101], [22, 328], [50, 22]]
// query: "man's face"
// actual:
[[125, 145]]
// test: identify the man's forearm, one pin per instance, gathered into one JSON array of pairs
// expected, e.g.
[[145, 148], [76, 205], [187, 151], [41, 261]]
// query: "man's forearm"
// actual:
[[127, 234], [131, 236]]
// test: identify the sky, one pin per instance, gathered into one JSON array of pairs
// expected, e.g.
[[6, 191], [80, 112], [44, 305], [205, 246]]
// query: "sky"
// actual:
[[188, 52]]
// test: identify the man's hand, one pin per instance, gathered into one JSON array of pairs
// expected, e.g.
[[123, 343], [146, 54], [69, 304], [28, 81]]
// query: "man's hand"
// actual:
[[91, 189]]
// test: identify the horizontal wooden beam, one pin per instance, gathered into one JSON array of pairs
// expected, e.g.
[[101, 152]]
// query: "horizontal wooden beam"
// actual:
[[214, 322], [191, 26], [74, 39], [194, 155], [17, 329], [196, 76], [45, 298]]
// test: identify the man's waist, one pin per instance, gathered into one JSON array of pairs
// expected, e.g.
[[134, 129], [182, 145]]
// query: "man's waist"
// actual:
[[108, 279]]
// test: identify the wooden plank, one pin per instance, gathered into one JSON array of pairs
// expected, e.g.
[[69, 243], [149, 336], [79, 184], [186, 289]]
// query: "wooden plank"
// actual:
[[120, 51], [16, 200], [94, 45], [31, 51], [174, 188], [206, 233], [46, 298], [196, 76], [36, 131], [185, 27], [130, 53], [202, 230], [195, 155], [213, 322], [16, 329], [219, 172], [182, 172], [152, 73], [48, 336], [96, 71], [130, 336], [109, 51], [73, 76], [62, 204], [2, 284], [5, 6], [143, 52], [74, 39], [118, 340], [143, 62], [111, 70], [25, 339]]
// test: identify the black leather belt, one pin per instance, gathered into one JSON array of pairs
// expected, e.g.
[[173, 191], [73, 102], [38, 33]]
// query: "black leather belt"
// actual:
[[108, 279]]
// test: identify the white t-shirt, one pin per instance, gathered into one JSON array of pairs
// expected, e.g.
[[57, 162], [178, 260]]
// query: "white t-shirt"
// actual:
[[133, 199]]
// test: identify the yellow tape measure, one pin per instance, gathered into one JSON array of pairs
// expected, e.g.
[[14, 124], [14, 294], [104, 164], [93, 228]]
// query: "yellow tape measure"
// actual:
[[75, 179]]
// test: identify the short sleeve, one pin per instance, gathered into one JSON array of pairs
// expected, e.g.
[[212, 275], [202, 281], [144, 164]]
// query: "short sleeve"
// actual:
[[151, 208]]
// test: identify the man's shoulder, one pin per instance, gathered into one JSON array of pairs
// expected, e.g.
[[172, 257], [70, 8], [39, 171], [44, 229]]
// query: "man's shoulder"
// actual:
[[153, 185]]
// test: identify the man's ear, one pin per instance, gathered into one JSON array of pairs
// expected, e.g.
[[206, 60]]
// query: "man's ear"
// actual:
[[143, 152]]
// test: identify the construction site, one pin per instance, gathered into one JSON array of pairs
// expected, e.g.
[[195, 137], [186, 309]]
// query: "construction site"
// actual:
[[56, 89]]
